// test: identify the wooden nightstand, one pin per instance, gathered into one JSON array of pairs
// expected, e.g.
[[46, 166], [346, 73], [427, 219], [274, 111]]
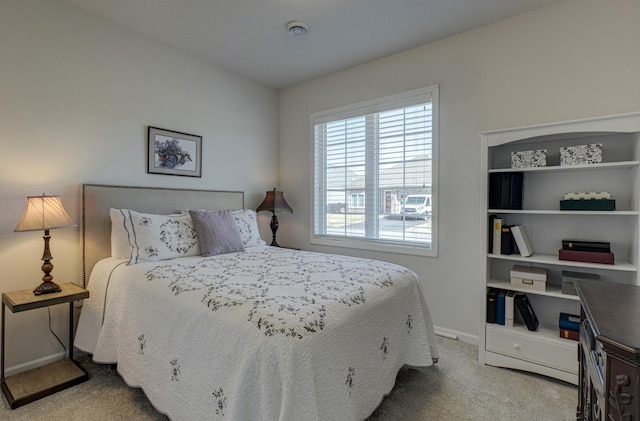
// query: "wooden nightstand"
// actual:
[[31, 385]]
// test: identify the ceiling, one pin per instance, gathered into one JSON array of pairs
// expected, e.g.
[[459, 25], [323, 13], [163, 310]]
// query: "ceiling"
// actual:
[[249, 37]]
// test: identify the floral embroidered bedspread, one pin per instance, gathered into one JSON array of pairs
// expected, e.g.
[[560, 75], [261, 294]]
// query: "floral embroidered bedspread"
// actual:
[[272, 334]]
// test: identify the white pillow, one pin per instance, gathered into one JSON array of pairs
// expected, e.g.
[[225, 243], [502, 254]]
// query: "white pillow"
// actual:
[[120, 246], [154, 237], [248, 226]]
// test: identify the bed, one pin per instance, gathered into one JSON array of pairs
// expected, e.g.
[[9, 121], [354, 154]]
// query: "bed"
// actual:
[[261, 333]]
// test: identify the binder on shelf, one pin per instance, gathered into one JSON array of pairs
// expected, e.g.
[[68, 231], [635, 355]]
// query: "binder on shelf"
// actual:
[[526, 311], [569, 321], [500, 307], [515, 191], [522, 241], [574, 335], [492, 218], [507, 244], [583, 245], [509, 308], [505, 190], [495, 190], [491, 305], [497, 236], [586, 256]]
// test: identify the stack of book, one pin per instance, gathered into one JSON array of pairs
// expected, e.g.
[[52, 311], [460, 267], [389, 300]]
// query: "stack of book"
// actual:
[[505, 190], [501, 306], [501, 240], [508, 239], [586, 251], [569, 326]]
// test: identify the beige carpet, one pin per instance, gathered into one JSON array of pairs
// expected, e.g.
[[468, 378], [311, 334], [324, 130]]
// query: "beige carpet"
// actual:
[[457, 388]]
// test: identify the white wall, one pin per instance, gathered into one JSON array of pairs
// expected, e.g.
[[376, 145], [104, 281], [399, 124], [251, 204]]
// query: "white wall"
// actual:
[[76, 96], [574, 59]]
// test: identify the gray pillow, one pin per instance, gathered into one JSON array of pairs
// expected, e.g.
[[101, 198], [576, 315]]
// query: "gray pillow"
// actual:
[[217, 232]]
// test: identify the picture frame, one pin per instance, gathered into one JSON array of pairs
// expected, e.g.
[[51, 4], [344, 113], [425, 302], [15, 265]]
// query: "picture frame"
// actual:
[[173, 153]]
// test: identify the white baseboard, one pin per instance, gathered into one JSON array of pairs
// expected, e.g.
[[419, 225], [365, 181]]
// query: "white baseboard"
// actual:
[[29, 365], [453, 334]]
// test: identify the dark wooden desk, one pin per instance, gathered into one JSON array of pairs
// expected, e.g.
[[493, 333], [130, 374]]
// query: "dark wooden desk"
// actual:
[[609, 352]]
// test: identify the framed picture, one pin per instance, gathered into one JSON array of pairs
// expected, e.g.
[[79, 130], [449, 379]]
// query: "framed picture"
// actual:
[[174, 153]]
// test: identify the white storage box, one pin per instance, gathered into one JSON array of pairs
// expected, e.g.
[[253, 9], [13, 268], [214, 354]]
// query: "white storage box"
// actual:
[[529, 277], [529, 159], [581, 154]]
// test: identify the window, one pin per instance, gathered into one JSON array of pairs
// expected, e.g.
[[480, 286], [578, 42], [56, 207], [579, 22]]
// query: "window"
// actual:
[[375, 174], [357, 200]]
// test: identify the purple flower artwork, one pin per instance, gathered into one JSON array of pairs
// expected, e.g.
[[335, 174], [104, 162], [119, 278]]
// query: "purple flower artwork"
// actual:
[[170, 154], [174, 153]]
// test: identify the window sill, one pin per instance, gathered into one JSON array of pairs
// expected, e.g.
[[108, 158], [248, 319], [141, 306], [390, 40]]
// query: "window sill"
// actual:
[[373, 245]]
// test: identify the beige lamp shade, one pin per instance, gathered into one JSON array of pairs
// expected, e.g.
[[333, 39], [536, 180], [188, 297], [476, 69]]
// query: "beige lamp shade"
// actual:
[[44, 213]]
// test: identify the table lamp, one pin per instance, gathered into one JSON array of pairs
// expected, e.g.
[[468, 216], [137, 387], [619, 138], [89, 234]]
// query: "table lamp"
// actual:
[[274, 202], [45, 213]]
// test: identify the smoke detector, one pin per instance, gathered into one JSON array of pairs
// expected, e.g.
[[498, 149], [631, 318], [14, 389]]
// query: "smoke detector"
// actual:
[[297, 28]]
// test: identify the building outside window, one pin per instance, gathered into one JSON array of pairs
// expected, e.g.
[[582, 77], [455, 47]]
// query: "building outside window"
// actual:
[[375, 174]]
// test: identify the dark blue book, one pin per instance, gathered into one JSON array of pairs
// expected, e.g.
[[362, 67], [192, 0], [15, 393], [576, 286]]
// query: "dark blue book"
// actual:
[[526, 311], [495, 190], [507, 242], [500, 319], [515, 191], [582, 245], [491, 305], [505, 191], [569, 321]]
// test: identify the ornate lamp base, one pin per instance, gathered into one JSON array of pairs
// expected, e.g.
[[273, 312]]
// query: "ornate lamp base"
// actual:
[[274, 228], [47, 288]]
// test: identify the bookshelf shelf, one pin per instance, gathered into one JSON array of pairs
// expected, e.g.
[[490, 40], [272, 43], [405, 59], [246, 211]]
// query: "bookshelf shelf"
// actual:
[[562, 212], [552, 290], [548, 259], [543, 351], [570, 168]]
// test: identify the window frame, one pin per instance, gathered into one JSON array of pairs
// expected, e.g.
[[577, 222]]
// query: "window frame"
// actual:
[[386, 103]]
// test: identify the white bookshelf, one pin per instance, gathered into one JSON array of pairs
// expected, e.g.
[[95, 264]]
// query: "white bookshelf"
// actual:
[[543, 351]]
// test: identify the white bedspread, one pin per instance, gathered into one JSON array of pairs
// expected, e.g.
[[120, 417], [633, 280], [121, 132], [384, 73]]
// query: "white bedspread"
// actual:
[[272, 334]]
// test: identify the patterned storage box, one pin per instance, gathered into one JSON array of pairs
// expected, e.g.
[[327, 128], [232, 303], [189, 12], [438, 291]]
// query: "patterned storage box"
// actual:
[[528, 159], [581, 154]]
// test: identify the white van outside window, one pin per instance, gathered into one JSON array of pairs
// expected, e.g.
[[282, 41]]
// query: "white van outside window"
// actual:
[[417, 205]]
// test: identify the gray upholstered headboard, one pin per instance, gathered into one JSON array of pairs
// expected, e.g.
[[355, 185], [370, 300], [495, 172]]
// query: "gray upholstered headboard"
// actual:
[[97, 199]]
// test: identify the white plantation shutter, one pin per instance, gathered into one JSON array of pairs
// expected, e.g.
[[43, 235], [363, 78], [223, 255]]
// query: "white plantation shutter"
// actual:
[[367, 159]]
